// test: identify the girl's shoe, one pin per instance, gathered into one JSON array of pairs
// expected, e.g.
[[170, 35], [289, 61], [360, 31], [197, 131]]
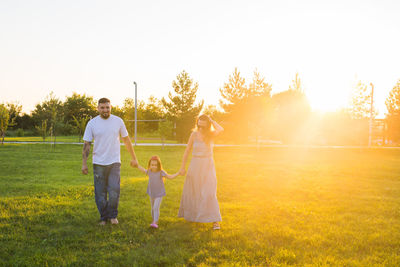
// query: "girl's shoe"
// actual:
[[216, 226], [154, 225]]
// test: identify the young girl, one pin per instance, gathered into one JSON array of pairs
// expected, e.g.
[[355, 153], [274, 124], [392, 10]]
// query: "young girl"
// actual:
[[155, 188]]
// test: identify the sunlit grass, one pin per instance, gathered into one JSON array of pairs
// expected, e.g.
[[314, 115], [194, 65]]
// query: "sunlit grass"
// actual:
[[280, 206], [75, 139], [40, 139]]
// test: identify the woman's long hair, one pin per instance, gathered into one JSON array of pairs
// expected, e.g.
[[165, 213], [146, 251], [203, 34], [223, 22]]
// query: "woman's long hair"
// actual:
[[208, 134]]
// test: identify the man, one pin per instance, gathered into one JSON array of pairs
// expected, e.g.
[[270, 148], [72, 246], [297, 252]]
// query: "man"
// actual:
[[106, 129]]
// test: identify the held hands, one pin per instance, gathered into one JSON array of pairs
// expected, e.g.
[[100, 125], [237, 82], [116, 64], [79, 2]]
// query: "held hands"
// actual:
[[182, 171], [173, 176], [134, 163]]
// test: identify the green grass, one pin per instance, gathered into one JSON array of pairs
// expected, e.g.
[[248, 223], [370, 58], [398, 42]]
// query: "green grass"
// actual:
[[280, 207], [75, 139]]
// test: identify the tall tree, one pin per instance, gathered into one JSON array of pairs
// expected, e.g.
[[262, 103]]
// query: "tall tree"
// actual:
[[117, 111], [259, 87], [181, 107], [165, 129], [259, 107], [14, 109], [52, 111], [360, 110], [296, 84], [42, 129], [153, 111], [291, 111], [233, 102], [360, 103], [233, 92], [128, 110], [55, 124], [393, 116], [25, 122], [45, 110], [80, 125], [4, 121], [246, 107], [80, 106]]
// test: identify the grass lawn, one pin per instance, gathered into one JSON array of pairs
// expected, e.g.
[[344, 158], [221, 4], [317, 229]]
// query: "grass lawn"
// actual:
[[75, 139], [69, 139], [280, 207]]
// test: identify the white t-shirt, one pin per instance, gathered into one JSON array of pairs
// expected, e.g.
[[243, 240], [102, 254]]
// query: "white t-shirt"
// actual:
[[105, 133]]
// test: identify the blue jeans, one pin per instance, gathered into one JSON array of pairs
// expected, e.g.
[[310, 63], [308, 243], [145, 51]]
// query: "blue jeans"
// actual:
[[107, 180]]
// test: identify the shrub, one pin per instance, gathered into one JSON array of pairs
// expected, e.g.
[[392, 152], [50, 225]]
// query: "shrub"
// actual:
[[20, 132]]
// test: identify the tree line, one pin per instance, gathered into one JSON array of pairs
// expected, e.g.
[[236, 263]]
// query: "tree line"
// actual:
[[247, 110]]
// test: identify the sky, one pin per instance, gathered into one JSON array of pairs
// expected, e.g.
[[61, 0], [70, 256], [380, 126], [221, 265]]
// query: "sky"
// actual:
[[99, 48]]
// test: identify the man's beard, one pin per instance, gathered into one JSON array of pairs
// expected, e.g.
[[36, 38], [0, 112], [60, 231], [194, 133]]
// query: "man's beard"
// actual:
[[105, 116]]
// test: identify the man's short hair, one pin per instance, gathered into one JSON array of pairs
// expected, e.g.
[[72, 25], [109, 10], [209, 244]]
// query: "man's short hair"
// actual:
[[104, 100]]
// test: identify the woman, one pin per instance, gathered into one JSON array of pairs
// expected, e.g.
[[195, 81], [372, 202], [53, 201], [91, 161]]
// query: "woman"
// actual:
[[199, 197]]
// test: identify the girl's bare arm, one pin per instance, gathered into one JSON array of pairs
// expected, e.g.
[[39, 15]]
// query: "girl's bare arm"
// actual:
[[142, 169], [172, 176]]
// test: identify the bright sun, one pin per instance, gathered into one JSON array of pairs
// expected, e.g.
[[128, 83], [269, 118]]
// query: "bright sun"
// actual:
[[327, 92], [327, 101]]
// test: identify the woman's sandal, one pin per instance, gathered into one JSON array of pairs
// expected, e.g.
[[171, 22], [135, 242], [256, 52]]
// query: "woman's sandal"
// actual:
[[216, 226]]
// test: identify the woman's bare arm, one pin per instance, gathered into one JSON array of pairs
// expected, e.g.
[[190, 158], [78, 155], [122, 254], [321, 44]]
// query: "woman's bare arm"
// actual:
[[218, 128], [189, 146], [172, 176]]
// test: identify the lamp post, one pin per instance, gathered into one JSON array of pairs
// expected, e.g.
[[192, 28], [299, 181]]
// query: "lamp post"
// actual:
[[371, 114], [135, 110]]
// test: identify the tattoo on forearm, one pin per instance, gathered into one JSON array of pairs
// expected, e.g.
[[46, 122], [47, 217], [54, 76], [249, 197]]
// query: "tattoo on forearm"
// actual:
[[86, 150]]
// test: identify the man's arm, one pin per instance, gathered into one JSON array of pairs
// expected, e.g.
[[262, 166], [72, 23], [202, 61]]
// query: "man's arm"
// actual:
[[85, 155], [129, 147]]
